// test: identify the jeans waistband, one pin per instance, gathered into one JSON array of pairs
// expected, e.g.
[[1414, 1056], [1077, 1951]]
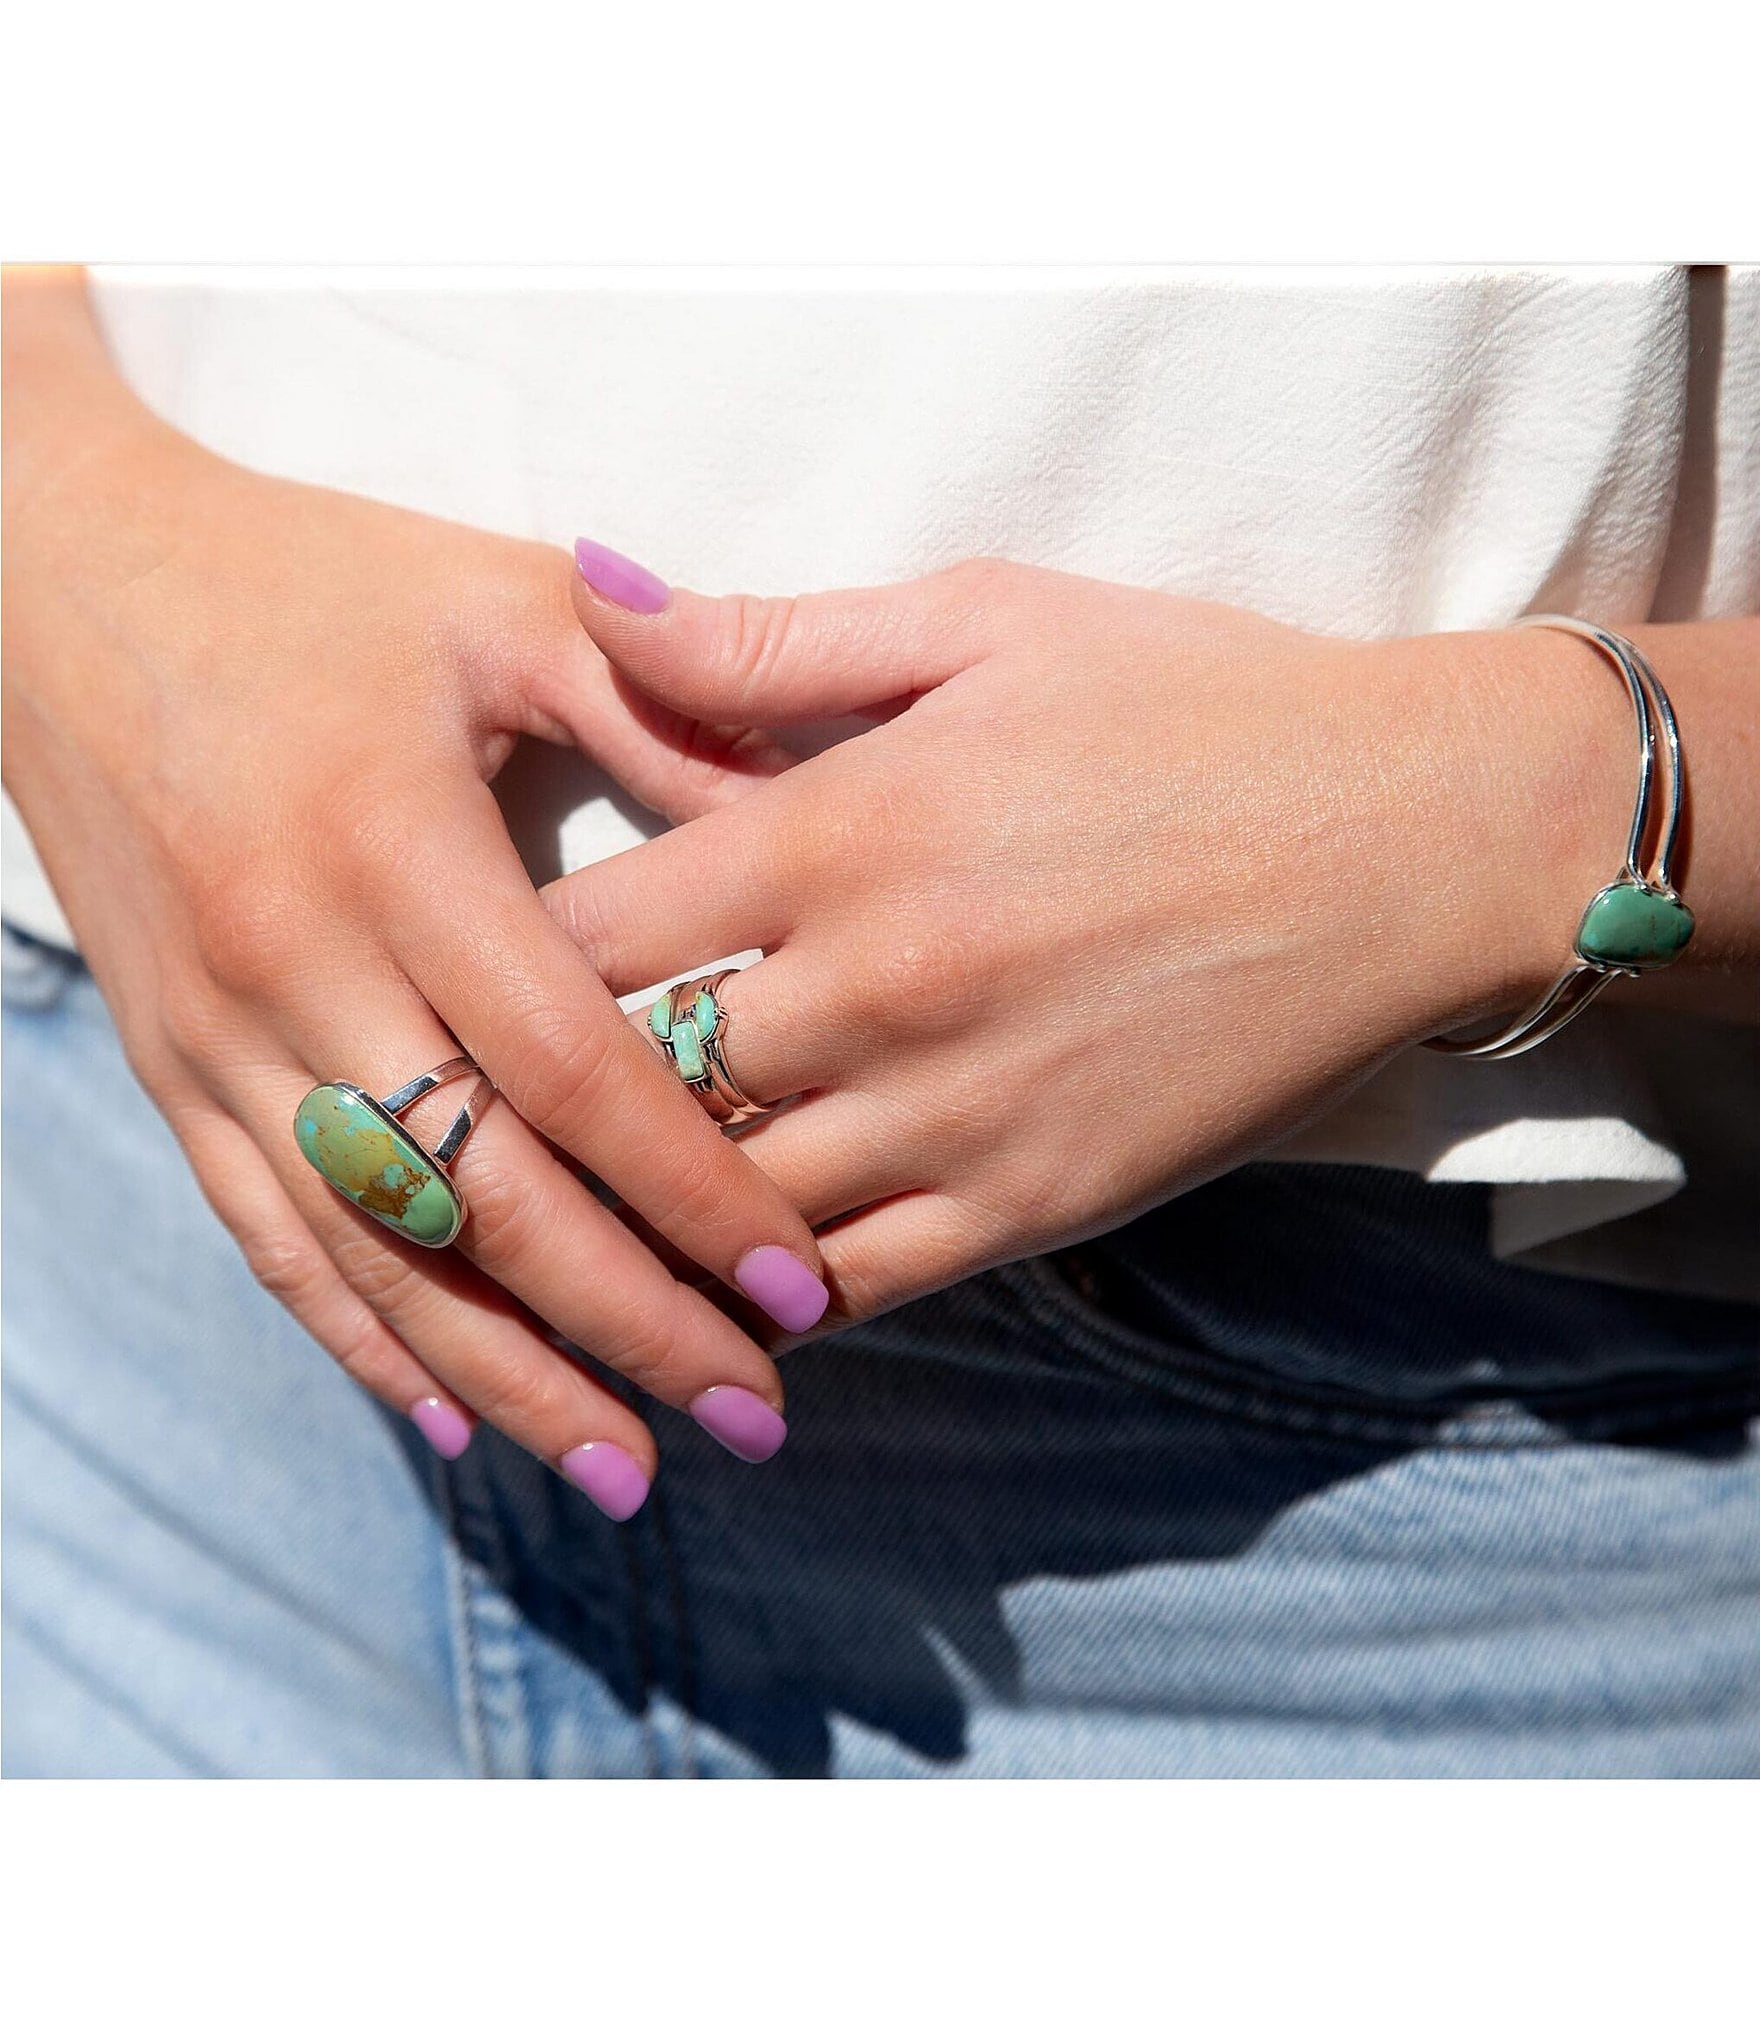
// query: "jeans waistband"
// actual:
[[1375, 1280]]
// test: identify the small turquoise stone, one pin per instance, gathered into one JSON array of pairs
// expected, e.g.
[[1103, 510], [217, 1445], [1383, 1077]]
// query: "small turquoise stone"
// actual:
[[1629, 927], [359, 1149], [687, 1050], [660, 1017], [706, 1014]]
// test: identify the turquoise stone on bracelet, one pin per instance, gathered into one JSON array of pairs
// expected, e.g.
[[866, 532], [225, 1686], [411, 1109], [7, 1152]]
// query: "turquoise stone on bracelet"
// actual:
[[359, 1149], [1630, 927]]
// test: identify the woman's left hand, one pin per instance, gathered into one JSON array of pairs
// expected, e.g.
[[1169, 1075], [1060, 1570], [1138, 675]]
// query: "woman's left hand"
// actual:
[[1121, 889]]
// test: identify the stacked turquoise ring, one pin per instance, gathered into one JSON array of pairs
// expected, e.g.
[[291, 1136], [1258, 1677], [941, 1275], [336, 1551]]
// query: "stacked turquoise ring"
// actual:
[[1639, 922], [354, 1142], [689, 1026]]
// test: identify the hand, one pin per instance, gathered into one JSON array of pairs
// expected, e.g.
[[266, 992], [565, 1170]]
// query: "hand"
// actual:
[[1129, 888], [251, 726]]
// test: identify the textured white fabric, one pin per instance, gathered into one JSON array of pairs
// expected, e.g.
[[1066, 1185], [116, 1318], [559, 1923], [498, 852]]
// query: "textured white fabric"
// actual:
[[1366, 452]]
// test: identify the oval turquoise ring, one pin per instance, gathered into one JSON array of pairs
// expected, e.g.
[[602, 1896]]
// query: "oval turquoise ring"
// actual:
[[354, 1142]]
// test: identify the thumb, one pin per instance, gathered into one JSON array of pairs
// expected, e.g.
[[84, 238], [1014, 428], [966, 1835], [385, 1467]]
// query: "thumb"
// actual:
[[787, 659]]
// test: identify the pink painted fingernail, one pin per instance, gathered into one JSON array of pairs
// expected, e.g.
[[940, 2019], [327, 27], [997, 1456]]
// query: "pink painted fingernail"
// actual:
[[619, 580], [745, 1423], [445, 1428], [782, 1284], [608, 1477]]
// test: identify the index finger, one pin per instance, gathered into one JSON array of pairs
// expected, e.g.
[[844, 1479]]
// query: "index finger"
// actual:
[[473, 936]]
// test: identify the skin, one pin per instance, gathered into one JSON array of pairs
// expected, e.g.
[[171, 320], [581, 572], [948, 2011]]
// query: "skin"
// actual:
[[1125, 887], [251, 727], [1083, 839]]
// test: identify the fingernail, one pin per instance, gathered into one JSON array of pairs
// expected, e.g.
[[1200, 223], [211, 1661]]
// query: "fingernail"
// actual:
[[745, 1423], [782, 1284], [608, 1477], [443, 1427], [619, 580]]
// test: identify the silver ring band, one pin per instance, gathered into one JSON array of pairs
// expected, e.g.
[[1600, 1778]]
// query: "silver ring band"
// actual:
[[688, 1024], [455, 1136]]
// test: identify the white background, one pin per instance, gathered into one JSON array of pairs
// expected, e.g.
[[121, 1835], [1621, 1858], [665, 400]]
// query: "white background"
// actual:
[[836, 133]]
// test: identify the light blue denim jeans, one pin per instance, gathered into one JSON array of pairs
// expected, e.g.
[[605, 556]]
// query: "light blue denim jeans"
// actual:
[[1287, 1478]]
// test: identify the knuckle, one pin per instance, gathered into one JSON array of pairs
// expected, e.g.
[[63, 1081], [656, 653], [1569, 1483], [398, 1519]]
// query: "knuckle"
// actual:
[[859, 1292], [196, 1022], [285, 1265], [577, 904], [361, 1354], [506, 1216], [362, 831], [560, 1067], [982, 579], [1023, 1191], [540, 1406], [700, 1193], [751, 632], [300, 1279], [242, 930], [835, 840], [869, 1284], [370, 835], [381, 1278], [927, 981], [155, 1062], [646, 1349]]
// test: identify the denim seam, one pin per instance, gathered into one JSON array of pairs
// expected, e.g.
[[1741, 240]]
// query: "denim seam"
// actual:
[[499, 1640], [461, 1601], [681, 1628], [642, 1645], [1184, 1374]]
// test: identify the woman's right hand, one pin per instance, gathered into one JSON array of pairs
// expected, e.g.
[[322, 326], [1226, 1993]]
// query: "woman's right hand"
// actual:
[[251, 726]]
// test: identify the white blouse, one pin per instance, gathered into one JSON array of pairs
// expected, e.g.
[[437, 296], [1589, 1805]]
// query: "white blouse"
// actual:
[[1361, 451]]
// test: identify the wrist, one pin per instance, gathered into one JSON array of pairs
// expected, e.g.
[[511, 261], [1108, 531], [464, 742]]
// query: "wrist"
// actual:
[[65, 401], [1526, 771], [94, 506], [84, 534]]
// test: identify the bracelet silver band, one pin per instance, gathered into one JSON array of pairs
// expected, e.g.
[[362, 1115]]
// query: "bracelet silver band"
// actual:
[[1638, 922]]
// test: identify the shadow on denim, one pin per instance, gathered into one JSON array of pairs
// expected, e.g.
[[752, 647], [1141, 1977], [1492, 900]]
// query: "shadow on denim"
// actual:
[[1161, 1397]]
